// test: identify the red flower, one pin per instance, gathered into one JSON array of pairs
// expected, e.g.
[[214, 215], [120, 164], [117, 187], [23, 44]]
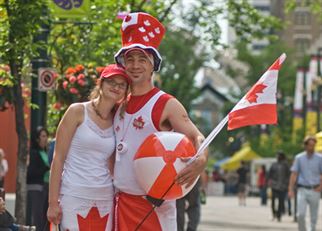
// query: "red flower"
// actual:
[[57, 106], [79, 68], [70, 70], [80, 76], [73, 90], [65, 84], [72, 79], [99, 70], [81, 82]]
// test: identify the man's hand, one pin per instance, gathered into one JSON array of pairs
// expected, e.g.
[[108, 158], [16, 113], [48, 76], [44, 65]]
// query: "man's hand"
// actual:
[[189, 174]]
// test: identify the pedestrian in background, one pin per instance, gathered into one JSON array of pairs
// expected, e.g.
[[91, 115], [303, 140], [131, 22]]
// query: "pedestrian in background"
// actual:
[[37, 180], [190, 203], [242, 173], [307, 172], [3, 167], [262, 184], [278, 178]]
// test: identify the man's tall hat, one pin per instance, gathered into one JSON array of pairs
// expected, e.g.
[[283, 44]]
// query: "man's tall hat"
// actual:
[[141, 30]]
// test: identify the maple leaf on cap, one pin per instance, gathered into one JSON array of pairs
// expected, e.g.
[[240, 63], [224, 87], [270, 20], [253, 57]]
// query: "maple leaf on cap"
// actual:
[[252, 94]]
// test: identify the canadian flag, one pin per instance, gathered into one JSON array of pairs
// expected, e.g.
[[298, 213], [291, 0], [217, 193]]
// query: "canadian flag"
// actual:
[[258, 106]]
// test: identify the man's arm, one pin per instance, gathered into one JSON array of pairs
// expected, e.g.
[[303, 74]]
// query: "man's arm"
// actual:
[[293, 179], [175, 114]]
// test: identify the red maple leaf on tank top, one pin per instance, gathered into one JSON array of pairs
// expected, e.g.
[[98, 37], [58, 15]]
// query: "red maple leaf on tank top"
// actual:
[[93, 221], [252, 94], [138, 123]]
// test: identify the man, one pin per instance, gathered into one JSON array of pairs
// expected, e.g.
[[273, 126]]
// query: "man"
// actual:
[[278, 178], [193, 209], [242, 173], [307, 171], [148, 110]]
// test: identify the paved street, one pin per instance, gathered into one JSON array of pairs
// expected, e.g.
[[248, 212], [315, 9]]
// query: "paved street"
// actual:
[[224, 214]]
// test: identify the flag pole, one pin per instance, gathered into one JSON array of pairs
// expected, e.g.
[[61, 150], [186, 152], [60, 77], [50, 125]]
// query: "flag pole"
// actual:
[[209, 139]]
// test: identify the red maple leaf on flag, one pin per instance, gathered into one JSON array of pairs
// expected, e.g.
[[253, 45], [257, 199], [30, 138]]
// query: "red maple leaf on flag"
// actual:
[[252, 94], [93, 221]]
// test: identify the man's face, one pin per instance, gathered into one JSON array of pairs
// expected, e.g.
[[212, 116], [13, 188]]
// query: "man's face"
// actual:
[[138, 66], [310, 146]]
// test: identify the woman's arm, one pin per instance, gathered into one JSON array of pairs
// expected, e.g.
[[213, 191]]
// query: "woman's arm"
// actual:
[[65, 132]]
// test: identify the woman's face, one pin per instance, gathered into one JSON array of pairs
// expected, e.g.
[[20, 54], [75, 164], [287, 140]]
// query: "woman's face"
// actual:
[[115, 87], [43, 139]]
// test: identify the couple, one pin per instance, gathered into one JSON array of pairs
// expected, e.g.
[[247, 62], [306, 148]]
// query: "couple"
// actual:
[[85, 169]]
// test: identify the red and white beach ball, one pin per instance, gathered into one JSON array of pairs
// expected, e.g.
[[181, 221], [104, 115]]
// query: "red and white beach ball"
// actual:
[[157, 163]]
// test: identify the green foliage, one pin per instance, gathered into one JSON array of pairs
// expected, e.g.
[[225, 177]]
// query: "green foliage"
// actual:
[[250, 23], [315, 6], [180, 65], [6, 84]]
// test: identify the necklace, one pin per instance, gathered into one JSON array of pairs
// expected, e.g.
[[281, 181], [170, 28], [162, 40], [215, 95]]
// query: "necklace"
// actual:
[[98, 112], [121, 147]]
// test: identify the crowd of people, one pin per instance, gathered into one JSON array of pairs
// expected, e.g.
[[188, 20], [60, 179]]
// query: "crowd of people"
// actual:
[[88, 178]]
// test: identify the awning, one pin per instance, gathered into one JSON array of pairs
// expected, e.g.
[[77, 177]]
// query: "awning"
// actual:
[[218, 163], [245, 153]]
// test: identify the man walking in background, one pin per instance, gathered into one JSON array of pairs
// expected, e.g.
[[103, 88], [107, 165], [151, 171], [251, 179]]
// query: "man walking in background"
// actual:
[[307, 171], [278, 178]]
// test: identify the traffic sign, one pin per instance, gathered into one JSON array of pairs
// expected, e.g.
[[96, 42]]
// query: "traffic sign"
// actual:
[[46, 79]]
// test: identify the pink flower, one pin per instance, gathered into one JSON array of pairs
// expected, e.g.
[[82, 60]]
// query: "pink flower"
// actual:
[[65, 84], [72, 79], [73, 90], [81, 82], [81, 76]]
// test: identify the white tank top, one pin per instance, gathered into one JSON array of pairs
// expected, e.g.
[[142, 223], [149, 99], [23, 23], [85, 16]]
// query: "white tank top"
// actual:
[[132, 130], [86, 174]]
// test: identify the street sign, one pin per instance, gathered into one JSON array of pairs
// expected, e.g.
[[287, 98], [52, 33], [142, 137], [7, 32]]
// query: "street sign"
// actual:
[[46, 79]]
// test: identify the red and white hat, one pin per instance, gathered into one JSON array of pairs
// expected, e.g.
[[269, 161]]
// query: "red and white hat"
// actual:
[[141, 30]]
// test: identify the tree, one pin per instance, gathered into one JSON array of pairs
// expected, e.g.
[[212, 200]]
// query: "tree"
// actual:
[[19, 24]]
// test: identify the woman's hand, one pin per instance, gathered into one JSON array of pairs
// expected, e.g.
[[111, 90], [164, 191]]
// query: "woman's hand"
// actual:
[[54, 213]]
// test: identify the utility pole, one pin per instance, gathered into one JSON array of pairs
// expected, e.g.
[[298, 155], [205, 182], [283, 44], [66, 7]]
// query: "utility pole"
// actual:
[[38, 115]]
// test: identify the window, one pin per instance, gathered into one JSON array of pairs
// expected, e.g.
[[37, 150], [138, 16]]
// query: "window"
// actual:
[[302, 45], [302, 18]]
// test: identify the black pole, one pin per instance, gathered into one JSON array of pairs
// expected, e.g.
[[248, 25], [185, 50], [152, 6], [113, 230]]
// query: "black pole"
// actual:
[[38, 98]]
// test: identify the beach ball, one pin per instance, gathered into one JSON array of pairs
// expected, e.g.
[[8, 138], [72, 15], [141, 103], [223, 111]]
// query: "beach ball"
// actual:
[[157, 162]]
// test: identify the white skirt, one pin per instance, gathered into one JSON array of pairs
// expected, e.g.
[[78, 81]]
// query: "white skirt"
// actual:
[[86, 214]]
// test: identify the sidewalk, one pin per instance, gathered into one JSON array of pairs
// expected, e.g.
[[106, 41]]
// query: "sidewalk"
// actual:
[[224, 214]]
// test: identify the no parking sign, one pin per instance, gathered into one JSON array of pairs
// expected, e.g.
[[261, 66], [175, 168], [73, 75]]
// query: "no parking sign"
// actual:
[[46, 79]]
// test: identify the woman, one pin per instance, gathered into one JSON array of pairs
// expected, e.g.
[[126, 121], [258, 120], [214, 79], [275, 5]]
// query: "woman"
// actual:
[[3, 167], [81, 189], [37, 180], [262, 184]]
